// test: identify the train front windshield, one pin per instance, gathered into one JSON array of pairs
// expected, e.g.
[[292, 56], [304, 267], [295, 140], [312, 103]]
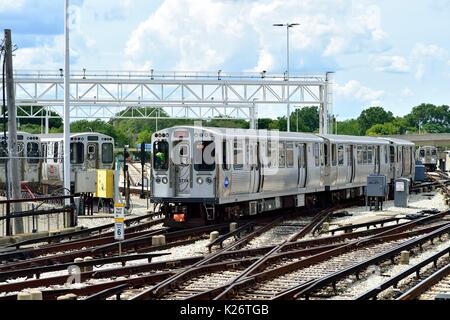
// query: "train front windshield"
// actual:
[[33, 152], [161, 156]]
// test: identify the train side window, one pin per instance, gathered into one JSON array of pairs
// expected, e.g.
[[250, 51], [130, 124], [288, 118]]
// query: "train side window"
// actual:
[[341, 155], [333, 155], [317, 154], [225, 165], [433, 152], [326, 154], [365, 155], [77, 153], [302, 156], [386, 157], [370, 155], [55, 152], [238, 163], [392, 154], [107, 153], [360, 155], [290, 155], [33, 152], [269, 154], [3, 152], [44, 152], [282, 157]]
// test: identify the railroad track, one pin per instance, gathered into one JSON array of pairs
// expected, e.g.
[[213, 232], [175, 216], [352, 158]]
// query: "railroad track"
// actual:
[[134, 275]]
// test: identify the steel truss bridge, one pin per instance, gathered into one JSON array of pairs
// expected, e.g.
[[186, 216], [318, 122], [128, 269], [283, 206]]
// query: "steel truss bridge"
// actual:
[[183, 95]]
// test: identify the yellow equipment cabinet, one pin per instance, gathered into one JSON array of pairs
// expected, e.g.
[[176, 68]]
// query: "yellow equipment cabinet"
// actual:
[[105, 184]]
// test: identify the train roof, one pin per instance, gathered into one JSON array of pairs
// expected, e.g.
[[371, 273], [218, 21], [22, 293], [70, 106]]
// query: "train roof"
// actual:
[[248, 133], [398, 141], [354, 139], [73, 135]]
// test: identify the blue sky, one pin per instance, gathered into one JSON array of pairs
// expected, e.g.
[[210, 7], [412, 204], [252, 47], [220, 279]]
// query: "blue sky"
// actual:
[[390, 53]]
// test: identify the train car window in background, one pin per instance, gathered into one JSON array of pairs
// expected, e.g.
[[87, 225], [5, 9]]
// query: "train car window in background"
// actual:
[[225, 164], [161, 155], [107, 153], [365, 155], [269, 154], [422, 153], [3, 152], [334, 155], [44, 152], [317, 154], [33, 154], [433, 152], [77, 153], [370, 155], [392, 154], [326, 155], [55, 152], [428, 151], [290, 155], [341, 155], [205, 156], [282, 155], [21, 149], [247, 152], [360, 155], [386, 155], [238, 161]]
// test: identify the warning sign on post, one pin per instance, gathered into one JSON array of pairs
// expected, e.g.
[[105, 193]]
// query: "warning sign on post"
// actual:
[[119, 222]]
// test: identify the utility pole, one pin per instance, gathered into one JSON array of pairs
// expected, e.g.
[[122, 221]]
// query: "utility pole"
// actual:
[[288, 26], [67, 183], [13, 173]]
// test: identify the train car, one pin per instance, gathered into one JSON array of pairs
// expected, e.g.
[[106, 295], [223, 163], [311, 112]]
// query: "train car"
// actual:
[[87, 151], [29, 146], [428, 155], [206, 175]]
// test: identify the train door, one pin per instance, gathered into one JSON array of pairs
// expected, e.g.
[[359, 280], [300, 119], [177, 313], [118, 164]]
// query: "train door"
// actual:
[[21, 154], [350, 164], [92, 155], [183, 169], [302, 167], [255, 166], [377, 159], [400, 164]]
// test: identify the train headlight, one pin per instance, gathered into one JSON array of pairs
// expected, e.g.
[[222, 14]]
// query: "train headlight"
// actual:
[[209, 180], [200, 180], [165, 180]]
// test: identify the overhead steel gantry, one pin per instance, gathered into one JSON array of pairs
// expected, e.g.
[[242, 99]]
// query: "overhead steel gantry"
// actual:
[[184, 95]]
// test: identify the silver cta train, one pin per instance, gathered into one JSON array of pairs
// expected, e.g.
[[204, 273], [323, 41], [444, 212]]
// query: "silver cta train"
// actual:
[[41, 157], [28, 146], [428, 155], [207, 175]]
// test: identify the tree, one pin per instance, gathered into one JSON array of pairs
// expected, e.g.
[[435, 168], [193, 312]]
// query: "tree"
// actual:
[[305, 120], [144, 137], [349, 127], [431, 118], [373, 116]]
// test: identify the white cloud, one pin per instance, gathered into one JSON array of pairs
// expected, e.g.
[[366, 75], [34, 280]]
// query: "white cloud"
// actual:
[[355, 90], [407, 92], [49, 55], [429, 51], [6, 5], [395, 64], [219, 33]]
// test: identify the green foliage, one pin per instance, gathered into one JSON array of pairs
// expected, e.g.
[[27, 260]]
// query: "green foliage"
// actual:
[[349, 127], [305, 120], [372, 116], [431, 118]]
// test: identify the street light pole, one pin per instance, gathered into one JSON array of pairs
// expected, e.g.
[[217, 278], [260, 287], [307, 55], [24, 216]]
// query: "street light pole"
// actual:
[[288, 26]]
